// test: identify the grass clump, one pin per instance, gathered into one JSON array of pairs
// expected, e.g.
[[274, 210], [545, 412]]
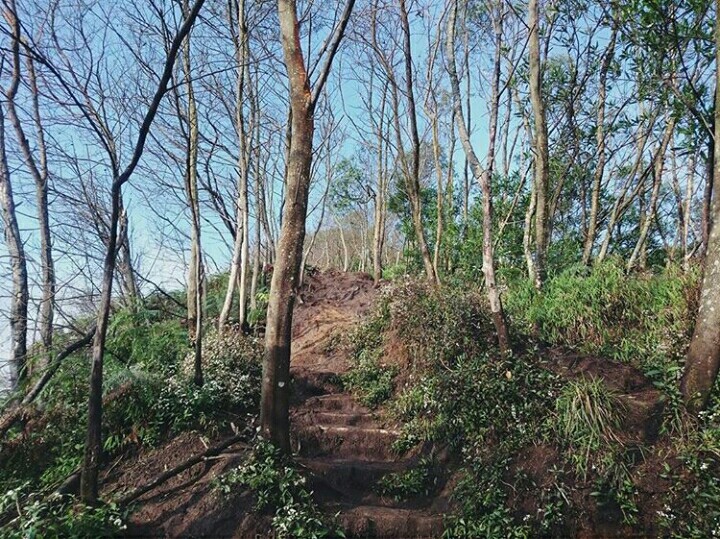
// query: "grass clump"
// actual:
[[589, 421], [589, 426], [640, 318]]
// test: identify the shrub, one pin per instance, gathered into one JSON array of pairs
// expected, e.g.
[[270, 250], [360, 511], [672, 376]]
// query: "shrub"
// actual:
[[371, 381], [232, 362], [407, 484], [144, 338], [438, 324]]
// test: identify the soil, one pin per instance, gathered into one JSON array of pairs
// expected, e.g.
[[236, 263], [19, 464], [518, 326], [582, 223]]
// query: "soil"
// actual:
[[345, 448]]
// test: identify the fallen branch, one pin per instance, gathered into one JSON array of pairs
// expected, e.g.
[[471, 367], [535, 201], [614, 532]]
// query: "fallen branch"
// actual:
[[189, 463], [20, 411]]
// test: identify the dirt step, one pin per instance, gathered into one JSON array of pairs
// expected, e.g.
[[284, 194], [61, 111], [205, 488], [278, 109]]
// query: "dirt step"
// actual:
[[337, 402], [310, 383], [354, 478], [376, 521], [369, 444], [329, 419]]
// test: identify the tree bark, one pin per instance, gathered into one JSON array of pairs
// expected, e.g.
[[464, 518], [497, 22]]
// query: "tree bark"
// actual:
[[542, 154], [275, 392], [483, 176], [703, 358]]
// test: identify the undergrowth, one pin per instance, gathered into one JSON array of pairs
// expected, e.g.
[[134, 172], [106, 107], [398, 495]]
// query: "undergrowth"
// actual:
[[148, 397], [57, 516], [280, 490], [458, 392], [369, 379], [420, 480]]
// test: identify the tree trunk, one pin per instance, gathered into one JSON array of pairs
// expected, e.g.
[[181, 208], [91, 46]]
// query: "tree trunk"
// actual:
[[13, 240], [275, 394], [413, 168], [241, 248], [195, 278], [16, 252], [482, 176], [93, 443], [542, 154], [648, 217], [703, 358]]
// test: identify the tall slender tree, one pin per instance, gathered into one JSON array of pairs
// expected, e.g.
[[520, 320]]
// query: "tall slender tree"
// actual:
[[274, 400]]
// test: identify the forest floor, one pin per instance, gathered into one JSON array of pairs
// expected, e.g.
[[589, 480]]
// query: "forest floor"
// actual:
[[345, 448]]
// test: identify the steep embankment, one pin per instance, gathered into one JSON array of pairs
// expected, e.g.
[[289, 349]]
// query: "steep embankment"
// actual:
[[344, 447]]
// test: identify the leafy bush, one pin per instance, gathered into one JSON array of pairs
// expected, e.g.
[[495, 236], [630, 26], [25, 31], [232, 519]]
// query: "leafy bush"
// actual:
[[144, 403], [280, 490], [692, 505], [370, 381], [58, 517], [642, 319], [232, 361], [438, 324]]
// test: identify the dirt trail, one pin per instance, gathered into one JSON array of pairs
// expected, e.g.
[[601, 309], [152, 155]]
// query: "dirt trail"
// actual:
[[344, 446]]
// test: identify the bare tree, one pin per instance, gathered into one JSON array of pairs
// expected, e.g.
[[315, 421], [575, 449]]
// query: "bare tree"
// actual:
[[274, 401], [93, 444]]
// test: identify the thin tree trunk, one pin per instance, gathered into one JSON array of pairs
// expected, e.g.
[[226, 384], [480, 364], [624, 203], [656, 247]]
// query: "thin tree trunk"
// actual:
[[194, 290], [413, 176], [241, 248], [623, 201], [380, 196], [93, 443], [13, 240], [16, 252], [648, 217], [542, 170], [601, 157], [39, 171], [482, 175], [687, 221]]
